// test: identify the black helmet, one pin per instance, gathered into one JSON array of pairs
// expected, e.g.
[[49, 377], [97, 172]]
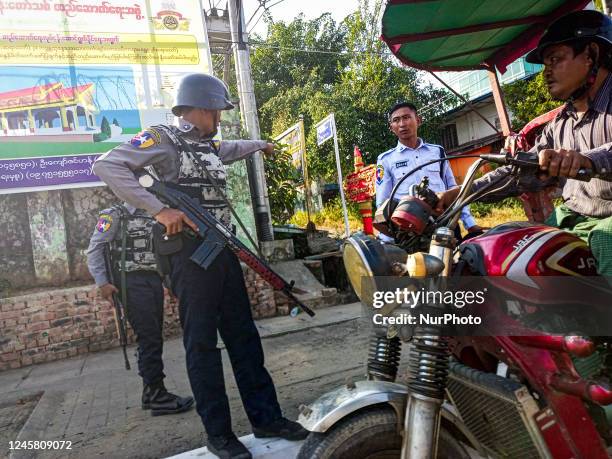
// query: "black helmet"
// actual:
[[202, 91], [571, 27]]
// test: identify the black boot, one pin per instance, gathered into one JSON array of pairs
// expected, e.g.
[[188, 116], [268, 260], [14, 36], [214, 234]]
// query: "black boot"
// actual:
[[283, 428], [156, 398], [227, 447]]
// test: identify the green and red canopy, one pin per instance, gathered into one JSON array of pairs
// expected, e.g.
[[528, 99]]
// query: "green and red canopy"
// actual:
[[468, 34]]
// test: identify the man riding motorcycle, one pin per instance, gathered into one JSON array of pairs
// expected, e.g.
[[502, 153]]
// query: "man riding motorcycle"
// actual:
[[576, 51]]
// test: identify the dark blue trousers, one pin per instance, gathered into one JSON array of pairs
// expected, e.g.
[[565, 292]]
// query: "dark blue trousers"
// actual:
[[145, 312], [214, 300]]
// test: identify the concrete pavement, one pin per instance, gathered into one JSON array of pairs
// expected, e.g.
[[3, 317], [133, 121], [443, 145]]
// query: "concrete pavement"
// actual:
[[93, 402]]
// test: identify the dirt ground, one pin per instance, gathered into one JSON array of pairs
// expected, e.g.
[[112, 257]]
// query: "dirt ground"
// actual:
[[304, 364]]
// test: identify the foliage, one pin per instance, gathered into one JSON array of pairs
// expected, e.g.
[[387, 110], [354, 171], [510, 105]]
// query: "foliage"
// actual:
[[598, 5], [313, 68], [481, 209], [528, 99], [281, 178], [115, 122], [331, 217]]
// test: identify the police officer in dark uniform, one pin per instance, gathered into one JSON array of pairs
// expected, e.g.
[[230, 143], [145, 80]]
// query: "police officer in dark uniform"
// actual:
[[144, 296], [213, 299]]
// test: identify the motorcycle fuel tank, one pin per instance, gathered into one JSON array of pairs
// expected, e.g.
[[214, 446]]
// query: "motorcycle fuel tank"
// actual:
[[527, 259]]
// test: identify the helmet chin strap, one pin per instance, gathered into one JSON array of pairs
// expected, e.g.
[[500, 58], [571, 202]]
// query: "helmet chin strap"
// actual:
[[589, 81]]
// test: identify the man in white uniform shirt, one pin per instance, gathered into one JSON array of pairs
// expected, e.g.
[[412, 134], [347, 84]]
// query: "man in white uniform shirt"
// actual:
[[410, 152]]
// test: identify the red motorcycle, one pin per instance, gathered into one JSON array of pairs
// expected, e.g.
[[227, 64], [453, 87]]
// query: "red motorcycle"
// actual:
[[516, 390]]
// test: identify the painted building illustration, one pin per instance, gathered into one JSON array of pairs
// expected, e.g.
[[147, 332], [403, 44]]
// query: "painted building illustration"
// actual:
[[41, 113]]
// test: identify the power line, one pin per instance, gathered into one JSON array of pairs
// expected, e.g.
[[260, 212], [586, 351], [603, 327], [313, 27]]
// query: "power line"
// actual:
[[256, 44]]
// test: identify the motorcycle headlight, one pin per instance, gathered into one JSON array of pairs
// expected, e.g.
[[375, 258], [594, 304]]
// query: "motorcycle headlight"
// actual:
[[365, 259]]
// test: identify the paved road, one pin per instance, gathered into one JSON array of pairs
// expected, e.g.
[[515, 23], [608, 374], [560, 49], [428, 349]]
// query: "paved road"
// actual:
[[95, 403]]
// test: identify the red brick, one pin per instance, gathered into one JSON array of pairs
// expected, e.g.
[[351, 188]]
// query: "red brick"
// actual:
[[82, 350], [10, 315], [4, 366], [25, 360], [38, 326], [23, 320], [9, 356], [38, 317], [40, 358], [18, 346], [83, 318], [42, 341], [61, 322], [9, 322]]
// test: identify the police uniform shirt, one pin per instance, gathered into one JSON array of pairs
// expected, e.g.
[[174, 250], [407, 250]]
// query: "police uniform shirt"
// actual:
[[153, 147], [393, 164], [107, 230]]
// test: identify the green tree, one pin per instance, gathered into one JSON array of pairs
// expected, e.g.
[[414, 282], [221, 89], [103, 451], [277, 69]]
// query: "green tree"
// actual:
[[355, 77], [281, 178], [290, 59], [528, 99], [317, 67]]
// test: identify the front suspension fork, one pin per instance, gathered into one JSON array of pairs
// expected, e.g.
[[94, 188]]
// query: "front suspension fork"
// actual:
[[428, 372]]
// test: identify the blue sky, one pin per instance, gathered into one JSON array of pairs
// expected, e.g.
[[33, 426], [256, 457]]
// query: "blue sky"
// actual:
[[286, 10]]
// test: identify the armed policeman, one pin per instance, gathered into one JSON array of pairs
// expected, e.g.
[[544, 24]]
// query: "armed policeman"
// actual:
[[213, 299], [125, 229]]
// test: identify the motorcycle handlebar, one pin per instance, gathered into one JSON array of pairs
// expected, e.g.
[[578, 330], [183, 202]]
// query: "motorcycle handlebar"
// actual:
[[528, 162]]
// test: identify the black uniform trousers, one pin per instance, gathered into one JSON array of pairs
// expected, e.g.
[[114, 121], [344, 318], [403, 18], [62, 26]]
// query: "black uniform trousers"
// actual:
[[145, 312], [211, 300]]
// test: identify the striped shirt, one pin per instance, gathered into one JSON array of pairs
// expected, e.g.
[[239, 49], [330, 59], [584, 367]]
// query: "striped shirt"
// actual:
[[590, 135]]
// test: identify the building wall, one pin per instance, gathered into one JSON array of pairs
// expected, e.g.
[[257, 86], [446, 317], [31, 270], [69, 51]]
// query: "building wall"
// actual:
[[60, 323], [471, 127], [46, 235], [475, 83], [16, 262]]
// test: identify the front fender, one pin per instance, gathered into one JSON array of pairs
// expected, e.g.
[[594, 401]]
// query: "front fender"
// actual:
[[331, 407]]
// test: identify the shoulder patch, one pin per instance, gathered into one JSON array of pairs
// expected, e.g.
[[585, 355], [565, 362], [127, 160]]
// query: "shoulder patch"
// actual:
[[185, 126], [104, 223], [380, 173], [146, 139]]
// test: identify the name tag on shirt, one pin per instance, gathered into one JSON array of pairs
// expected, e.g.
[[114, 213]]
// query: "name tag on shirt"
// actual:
[[401, 164]]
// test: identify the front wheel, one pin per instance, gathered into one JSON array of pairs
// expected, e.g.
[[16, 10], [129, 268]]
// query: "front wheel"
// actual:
[[370, 434]]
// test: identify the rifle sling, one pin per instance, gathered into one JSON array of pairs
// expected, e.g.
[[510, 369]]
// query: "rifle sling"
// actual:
[[122, 273]]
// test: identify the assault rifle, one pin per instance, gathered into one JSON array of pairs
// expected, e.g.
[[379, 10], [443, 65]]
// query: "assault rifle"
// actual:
[[118, 306], [216, 236]]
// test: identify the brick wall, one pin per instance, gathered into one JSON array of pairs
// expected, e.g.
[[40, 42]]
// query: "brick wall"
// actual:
[[57, 324]]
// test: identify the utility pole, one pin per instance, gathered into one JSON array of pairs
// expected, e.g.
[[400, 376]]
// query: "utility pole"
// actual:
[[248, 110]]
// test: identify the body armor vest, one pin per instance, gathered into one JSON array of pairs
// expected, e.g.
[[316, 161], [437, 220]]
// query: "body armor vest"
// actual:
[[192, 179], [138, 252]]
